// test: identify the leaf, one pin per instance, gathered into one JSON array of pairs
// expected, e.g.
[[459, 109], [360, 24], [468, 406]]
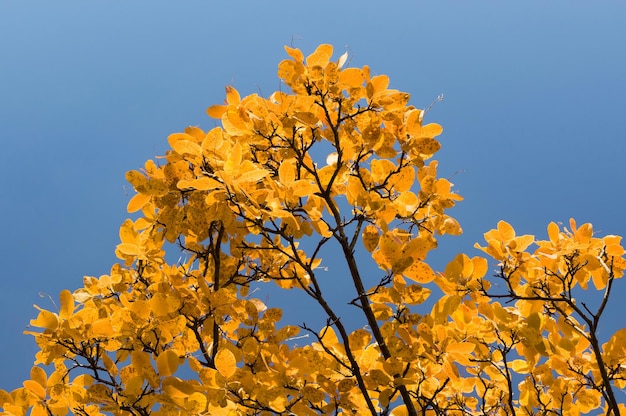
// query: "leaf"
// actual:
[[232, 96], [35, 388], [370, 238], [520, 366], [128, 249], [253, 176], [444, 307], [507, 233], [45, 319], [67, 304], [203, 183], [321, 56], [553, 233], [352, 77], [234, 159], [225, 362], [427, 146], [38, 374], [216, 111], [186, 147], [295, 53], [369, 357], [136, 179], [102, 328], [342, 60], [167, 363], [419, 272], [197, 403], [430, 130], [287, 172], [462, 348], [137, 202]]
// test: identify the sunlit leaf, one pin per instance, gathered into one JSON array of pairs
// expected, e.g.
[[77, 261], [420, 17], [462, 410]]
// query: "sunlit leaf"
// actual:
[[225, 362], [167, 363]]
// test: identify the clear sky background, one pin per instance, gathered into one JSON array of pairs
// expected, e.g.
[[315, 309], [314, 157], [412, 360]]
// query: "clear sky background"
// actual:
[[534, 115]]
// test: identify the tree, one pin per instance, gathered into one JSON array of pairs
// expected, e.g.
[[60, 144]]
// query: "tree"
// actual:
[[340, 163]]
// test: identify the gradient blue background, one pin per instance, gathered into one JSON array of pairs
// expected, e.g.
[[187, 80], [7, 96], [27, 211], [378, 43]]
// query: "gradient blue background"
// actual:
[[533, 115]]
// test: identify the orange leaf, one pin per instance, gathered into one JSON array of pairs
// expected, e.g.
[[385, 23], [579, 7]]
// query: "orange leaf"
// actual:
[[321, 56], [225, 362], [137, 202], [67, 304], [167, 363], [216, 111]]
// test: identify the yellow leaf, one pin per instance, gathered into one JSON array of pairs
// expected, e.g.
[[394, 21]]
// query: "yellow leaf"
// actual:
[[320, 57], [167, 363], [216, 111], [67, 304], [445, 306], [462, 348], [352, 77], [390, 247], [232, 96], [109, 364], [45, 319], [253, 176], [287, 172], [156, 187], [295, 53], [200, 184], [127, 232], [400, 411], [419, 272], [427, 146], [210, 377], [38, 374], [234, 159], [136, 179], [507, 232], [225, 362], [461, 267], [403, 181], [401, 264], [451, 226], [101, 328], [520, 366], [370, 238], [553, 233], [128, 249], [186, 147], [35, 388], [329, 338], [137, 202], [430, 130], [197, 403], [369, 357]]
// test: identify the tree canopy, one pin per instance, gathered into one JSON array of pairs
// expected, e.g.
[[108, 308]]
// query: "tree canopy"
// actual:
[[340, 162]]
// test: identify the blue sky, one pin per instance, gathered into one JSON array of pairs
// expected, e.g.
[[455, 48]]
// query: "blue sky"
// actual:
[[533, 114]]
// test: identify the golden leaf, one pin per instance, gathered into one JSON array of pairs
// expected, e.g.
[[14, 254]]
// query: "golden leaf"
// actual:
[[167, 363], [419, 272], [45, 319], [216, 111], [35, 388], [370, 238], [225, 362], [137, 202], [321, 56], [67, 304]]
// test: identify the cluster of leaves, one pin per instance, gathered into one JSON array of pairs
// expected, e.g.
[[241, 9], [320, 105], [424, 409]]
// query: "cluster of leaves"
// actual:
[[256, 201]]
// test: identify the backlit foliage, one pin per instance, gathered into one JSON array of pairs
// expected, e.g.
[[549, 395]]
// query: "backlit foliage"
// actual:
[[343, 163]]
